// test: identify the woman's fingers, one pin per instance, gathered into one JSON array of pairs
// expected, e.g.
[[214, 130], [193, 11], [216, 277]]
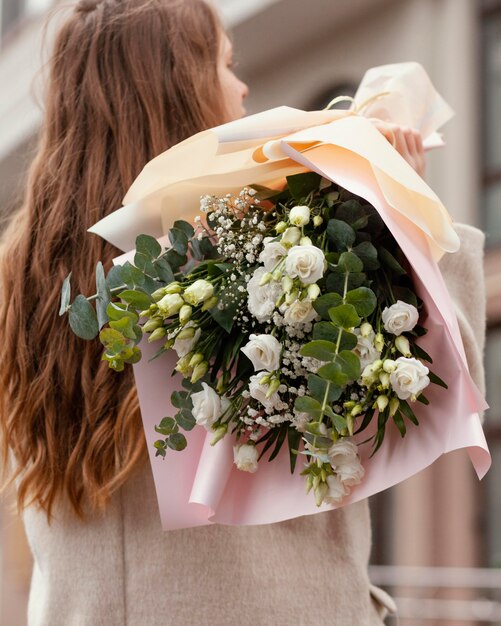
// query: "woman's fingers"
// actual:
[[407, 141]]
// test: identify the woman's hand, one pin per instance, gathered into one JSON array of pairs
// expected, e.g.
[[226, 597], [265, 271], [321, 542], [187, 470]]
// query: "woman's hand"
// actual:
[[407, 141]]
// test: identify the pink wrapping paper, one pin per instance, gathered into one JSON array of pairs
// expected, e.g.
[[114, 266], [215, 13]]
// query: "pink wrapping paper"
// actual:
[[201, 485]]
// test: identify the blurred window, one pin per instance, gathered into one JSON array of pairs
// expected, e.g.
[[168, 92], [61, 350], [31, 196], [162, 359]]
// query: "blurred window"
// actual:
[[491, 170], [491, 120], [13, 12]]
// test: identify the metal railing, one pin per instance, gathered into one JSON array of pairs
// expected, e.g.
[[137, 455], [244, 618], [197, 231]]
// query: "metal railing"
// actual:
[[477, 594]]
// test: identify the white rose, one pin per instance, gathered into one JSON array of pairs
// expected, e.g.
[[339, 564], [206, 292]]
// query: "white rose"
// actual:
[[291, 236], [344, 459], [337, 490], [272, 254], [264, 352], [262, 298], [207, 407], [365, 349], [170, 304], [299, 215], [184, 346], [258, 392], [409, 377], [245, 457], [299, 312], [198, 292], [400, 317], [305, 262]]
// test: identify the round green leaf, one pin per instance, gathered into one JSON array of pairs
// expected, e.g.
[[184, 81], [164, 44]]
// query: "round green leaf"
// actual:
[[363, 299], [137, 299], [325, 302], [177, 441], [340, 233], [344, 316], [349, 262], [319, 349], [83, 318]]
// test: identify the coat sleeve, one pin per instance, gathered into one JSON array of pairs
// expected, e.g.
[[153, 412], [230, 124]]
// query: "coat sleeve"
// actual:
[[463, 272]]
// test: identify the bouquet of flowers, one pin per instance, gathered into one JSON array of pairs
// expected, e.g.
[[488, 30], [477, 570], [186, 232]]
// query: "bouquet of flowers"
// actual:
[[293, 317], [297, 303]]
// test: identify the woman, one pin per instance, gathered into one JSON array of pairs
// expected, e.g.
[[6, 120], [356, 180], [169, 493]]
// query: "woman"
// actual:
[[128, 79]]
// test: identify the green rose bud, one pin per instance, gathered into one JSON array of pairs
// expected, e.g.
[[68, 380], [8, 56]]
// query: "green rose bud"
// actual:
[[305, 241], [219, 433], [384, 379], [185, 314], [379, 342], [210, 303], [159, 333], [317, 221], [199, 372], [381, 403], [273, 386], [152, 325], [200, 291], [313, 291], [280, 227], [196, 359], [158, 294], [174, 287], [320, 492], [394, 404], [287, 284], [186, 333], [403, 346], [170, 304], [265, 279], [365, 329]]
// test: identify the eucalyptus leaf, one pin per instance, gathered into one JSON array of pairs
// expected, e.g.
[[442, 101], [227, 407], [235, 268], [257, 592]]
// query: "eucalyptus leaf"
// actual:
[[325, 302], [131, 276], [117, 310], [340, 234], [179, 240], [318, 387], [149, 246], [114, 277], [363, 299], [83, 318], [319, 349], [137, 299], [186, 227], [333, 373], [167, 426], [335, 280], [65, 295], [305, 404], [344, 316], [164, 270], [103, 295], [185, 419], [367, 252], [349, 262], [177, 441]]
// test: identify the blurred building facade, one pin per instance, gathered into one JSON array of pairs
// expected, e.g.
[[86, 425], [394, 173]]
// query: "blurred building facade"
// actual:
[[299, 54]]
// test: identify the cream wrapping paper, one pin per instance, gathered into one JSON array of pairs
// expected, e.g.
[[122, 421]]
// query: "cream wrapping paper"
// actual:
[[201, 485]]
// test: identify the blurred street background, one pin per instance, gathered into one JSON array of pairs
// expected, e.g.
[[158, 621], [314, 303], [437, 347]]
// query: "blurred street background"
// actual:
[[436, 536]]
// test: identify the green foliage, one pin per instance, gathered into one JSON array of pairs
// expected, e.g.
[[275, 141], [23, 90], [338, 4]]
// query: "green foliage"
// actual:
[[363, 300], [300, 185], [341, 234], [65, 295], [83, 318]]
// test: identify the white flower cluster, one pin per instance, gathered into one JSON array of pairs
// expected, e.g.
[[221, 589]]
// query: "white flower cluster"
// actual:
[[406, 376]]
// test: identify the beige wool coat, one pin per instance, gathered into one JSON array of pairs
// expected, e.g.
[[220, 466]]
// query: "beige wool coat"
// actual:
[[121, 569]]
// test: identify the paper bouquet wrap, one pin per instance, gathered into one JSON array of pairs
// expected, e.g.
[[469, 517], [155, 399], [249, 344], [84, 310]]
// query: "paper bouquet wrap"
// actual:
[[202, 485]]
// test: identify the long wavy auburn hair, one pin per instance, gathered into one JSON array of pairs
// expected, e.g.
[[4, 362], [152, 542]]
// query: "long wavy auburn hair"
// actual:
[[127, 80]]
